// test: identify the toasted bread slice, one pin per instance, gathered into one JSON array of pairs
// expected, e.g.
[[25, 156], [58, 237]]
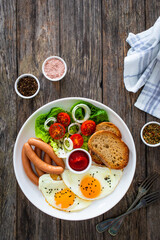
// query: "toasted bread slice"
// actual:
[[113, 152], [95, 158], [108, 126]]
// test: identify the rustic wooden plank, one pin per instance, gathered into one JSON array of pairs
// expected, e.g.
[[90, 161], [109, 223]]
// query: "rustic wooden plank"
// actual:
[[38, 38], [81, 48], [80, 31], [8, 118], [71, 29], [153, 211], [120, 18]]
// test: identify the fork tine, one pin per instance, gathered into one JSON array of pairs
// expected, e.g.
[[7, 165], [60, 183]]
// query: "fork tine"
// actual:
[[151, 197], [149, 180], [151, 194], [148, 184], [152, 175]]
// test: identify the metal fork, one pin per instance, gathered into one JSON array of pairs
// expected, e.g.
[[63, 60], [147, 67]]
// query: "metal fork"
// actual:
[[142, 190], [145, 201]]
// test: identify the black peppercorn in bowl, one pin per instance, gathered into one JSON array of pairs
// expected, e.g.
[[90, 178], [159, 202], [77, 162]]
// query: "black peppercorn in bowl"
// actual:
[[27, 86], [150, 134]]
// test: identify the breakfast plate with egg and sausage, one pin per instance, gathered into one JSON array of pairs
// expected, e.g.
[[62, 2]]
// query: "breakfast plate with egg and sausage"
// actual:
[[74, 158]]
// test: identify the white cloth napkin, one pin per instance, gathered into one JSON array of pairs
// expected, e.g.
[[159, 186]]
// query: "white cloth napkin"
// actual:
[[142, 68]]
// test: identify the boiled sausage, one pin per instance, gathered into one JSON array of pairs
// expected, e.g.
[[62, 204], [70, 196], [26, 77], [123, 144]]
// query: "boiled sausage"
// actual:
[[39, 163], [47, 149], [28, 169]]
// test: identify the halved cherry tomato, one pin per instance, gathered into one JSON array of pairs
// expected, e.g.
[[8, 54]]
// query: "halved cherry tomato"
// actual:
[[77, 140], [63, 118], [88, 127], [57, 131]]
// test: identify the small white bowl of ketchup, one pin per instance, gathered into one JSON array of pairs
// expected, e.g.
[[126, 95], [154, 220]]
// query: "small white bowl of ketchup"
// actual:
[[78, 161]]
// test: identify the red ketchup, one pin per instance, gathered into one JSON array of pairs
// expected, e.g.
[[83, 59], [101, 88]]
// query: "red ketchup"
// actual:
[[78, 160]]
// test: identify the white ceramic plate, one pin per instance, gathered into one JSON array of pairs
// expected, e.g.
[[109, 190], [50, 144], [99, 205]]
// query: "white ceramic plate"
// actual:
[[98, 207]]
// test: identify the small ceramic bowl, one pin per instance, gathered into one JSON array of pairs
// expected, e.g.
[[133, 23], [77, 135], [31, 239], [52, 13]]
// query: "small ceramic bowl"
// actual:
[[150, 145], [54, 79], [89, 164], [26, 75]]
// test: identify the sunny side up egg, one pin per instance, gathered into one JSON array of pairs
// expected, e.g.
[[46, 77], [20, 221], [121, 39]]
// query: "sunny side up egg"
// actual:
[[59, 196], [96, 183]]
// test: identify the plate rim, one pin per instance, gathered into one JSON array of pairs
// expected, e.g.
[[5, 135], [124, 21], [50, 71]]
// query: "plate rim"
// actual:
[[78, 99]]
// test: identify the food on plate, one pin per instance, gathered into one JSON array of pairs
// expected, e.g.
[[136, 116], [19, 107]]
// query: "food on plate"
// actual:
[[40, 130], [95, 158], [68, 144], [98, 115], [113, 152], [87, 113], [39, 154], [55, 177], [47, 149], [47, 158], [88, 127], [64, 119], [96, 183], [69, 136], [74, 128], [49, 122], [27, 168], [108, 126], [57, 131], [78, 160], [39, 163], [77, 140], [59, 196]]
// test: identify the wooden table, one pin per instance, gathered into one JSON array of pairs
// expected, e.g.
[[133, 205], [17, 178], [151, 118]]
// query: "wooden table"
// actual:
[[90, 35]]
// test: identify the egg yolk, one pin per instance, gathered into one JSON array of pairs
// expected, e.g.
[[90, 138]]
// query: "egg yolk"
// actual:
[[55, 177], [90, 187], [64, 198]]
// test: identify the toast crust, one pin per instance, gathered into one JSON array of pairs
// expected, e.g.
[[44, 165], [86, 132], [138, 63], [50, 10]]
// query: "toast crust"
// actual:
[[111, 150], [95, 158], [108, 126]]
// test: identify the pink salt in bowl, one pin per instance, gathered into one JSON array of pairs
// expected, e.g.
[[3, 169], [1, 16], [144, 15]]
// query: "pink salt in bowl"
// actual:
[[54, 68]]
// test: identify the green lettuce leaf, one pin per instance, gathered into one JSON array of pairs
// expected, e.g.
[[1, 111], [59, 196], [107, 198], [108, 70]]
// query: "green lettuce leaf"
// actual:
[[39, 124], [85, 142], [98, 115]]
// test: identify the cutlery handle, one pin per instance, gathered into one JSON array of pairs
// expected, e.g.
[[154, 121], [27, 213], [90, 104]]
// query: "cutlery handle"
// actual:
[[103, 226], [113, 230]]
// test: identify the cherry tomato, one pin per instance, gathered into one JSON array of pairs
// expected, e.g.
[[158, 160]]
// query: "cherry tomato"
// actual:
[[63, 118], [57, 131], [77, 140], [88, 127]]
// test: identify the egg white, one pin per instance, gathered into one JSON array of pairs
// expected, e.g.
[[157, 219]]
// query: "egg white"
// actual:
[[50, 187], [108, 179]]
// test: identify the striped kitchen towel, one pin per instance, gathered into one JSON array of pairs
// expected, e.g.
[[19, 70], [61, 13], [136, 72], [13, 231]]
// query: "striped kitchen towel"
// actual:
[[142, 68]]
